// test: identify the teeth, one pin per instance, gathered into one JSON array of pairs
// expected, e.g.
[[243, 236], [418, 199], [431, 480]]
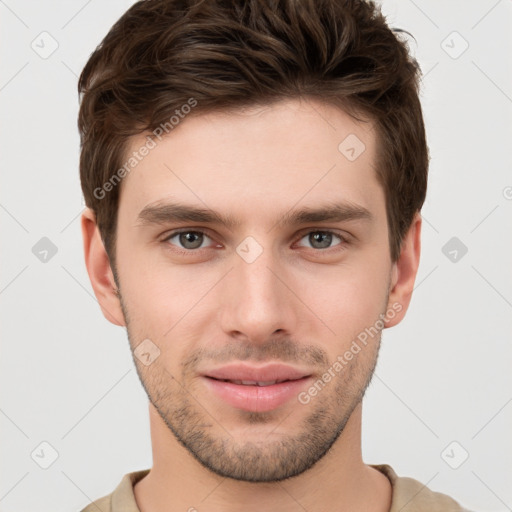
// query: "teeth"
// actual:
[[254, 383]]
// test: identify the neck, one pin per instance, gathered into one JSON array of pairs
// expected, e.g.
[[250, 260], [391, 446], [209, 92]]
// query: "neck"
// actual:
[[340, 481]]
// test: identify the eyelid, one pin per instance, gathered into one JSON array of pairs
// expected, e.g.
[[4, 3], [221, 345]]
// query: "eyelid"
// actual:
[[342, 234], [178, 231], [344, 239]]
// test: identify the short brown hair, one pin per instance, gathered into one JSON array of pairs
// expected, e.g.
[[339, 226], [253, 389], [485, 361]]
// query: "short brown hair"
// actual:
[[227, 54]]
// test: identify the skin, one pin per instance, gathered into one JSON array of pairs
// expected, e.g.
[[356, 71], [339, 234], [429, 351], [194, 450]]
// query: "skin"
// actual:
[[298, 302]]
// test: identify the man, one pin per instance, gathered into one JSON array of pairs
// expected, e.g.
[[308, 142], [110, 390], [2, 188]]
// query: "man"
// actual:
[[254, 172]]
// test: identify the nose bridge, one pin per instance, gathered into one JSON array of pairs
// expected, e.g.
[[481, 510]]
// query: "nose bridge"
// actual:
[[259, 302], [253, 270]]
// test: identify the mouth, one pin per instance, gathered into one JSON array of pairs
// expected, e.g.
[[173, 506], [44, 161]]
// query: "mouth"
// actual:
[[250, 375], [256, 389], [254, 382]]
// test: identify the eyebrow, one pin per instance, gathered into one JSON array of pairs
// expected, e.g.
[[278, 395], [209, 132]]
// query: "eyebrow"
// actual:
[[167, 212]]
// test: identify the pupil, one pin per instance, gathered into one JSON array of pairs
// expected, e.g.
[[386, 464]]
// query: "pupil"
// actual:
[[185, 239], [323, 238]]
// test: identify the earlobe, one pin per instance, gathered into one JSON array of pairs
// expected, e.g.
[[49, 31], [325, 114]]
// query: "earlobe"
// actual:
[[99, 270], [403, 274]]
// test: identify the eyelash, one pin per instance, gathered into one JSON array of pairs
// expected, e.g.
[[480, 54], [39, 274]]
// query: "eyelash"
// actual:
[[340, 246]]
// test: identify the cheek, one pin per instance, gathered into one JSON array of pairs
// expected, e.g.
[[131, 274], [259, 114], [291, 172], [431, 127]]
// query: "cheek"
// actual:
[[346, 295], [147, 281], [164, 303]]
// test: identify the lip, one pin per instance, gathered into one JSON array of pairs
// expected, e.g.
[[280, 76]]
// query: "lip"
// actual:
[[256, 398], [268, 372]]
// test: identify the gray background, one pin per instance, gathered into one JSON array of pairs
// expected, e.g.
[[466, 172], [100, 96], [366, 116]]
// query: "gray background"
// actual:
[[444, 374]]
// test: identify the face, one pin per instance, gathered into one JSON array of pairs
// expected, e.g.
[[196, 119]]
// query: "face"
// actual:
[[284, 267]]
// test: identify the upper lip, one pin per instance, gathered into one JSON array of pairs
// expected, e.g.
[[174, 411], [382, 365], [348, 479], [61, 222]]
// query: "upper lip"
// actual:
[[266, 373]]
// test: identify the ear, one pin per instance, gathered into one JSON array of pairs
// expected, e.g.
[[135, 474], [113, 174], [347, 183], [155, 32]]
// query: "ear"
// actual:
[[99, 270], [403, 274]]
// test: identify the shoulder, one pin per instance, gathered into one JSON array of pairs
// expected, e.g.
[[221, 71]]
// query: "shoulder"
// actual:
[[122, 499], [410, 495], [103, 504]]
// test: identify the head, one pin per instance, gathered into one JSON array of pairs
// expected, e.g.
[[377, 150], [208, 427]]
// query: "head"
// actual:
[[285, 140]]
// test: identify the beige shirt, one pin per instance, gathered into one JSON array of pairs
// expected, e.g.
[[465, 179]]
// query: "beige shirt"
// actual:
[[409, 495]]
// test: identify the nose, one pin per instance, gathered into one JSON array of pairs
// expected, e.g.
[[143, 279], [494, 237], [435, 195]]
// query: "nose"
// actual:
[[258, 300]]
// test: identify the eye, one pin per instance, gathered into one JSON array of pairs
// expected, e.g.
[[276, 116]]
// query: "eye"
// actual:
[[188, 240], [193, 240], [322, 239]]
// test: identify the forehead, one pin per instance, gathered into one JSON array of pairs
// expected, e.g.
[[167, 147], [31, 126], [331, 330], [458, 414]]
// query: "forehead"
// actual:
[[257, 159]]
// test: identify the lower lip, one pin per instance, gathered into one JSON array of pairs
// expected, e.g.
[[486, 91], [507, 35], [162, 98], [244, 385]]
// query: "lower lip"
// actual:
[[256, 398]]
